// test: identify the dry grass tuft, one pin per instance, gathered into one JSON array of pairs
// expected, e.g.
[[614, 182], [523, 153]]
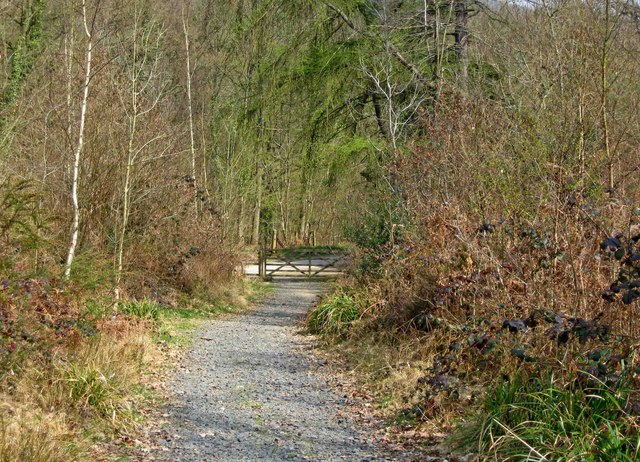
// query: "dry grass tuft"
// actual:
[[30, 435], [53, 408]]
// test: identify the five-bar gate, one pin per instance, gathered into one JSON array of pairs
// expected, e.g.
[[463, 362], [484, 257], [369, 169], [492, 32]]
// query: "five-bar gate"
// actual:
[[302, 262]]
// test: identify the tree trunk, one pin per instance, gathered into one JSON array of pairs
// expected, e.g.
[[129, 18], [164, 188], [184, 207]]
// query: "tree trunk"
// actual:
[[461, 34], [126, 204], [205, 173], [185, 29], [126, 193], [78, 151], [375, 99], [255, 238], [241, 223], [605, 96]]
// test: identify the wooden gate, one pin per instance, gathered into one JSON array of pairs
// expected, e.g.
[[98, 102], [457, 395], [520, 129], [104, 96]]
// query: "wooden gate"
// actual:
[[302, 262]]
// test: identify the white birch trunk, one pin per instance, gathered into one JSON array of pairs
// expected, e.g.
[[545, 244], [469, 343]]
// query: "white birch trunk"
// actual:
[[78, 150], [185, 29]]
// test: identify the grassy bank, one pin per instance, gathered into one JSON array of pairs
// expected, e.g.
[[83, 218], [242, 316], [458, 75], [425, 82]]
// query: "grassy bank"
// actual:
[[77, 372], [449, 355]]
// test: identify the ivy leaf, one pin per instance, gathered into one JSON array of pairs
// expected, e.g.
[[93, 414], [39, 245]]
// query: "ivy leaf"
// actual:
[[514, 326], [521, 354], [630, 296], [612, 244], [597, 355], [563, 337]]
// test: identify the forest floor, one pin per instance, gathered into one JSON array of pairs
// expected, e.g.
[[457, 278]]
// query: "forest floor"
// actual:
[[250, 389]]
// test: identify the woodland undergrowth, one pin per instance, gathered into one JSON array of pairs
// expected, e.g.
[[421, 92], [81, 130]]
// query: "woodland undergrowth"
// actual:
[[503, 313], [79, 363]]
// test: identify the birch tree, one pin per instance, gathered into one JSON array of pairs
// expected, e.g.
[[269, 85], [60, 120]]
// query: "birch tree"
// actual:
[[192, 145], [88, 25]]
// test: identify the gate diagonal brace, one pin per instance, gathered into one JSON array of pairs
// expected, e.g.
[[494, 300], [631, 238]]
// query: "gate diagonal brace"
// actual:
[[287, 263], [330, 265]]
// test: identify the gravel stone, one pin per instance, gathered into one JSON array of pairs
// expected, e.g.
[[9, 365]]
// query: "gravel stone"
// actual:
[[247, 392]]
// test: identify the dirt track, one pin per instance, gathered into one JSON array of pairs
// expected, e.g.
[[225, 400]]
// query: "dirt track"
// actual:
[[247, 393]]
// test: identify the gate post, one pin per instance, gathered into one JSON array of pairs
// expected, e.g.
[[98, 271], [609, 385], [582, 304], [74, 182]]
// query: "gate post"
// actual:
[[262, 264]]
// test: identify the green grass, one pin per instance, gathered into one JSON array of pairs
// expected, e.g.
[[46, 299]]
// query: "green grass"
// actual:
[[334, 315], [175, 326], [256, 290], [538, 419], [144, 309], [177, 332]]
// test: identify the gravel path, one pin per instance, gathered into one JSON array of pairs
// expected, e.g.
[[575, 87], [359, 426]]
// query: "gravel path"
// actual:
[[247, 393]]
